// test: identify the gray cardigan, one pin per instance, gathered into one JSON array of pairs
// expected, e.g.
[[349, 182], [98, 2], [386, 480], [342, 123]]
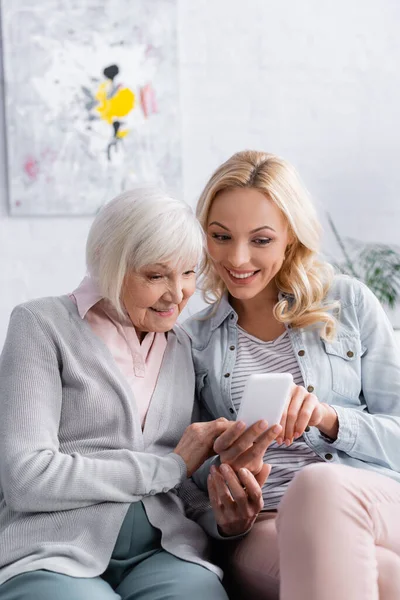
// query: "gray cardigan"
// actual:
[[73, 455]]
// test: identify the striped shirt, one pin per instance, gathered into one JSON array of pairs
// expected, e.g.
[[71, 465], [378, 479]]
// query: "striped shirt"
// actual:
[[277, 356]]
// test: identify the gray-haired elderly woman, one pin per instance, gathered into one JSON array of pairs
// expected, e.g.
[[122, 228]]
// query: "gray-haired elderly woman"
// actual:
[[96, 400]]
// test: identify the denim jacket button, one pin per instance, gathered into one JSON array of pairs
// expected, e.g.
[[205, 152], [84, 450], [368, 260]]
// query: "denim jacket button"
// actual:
[[350, 354], [307, 429], [231, 410], [227, 375], [301, 352], [328, 456], [310, 388], [231, 347]]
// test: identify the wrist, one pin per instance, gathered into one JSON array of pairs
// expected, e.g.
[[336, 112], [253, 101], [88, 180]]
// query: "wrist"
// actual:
[[329, 424]]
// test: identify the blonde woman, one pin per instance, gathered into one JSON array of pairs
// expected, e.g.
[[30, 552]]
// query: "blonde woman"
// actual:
[[332, 500]]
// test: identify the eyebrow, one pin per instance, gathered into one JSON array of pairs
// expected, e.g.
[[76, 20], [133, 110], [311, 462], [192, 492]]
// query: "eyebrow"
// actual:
[[252, 231]]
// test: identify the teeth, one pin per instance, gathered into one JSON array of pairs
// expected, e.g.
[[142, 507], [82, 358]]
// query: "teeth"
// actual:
[[242, 275]]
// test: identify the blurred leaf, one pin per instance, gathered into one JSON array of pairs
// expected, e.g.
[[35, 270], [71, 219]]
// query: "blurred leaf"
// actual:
[[377, 265]]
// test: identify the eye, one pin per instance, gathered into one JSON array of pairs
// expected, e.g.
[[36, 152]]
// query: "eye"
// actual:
[[262, 241], [155, 277], [220, 237], [190, 272]]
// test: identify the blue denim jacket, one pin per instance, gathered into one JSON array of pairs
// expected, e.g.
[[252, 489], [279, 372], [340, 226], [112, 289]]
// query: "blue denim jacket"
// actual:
[[358, 374]]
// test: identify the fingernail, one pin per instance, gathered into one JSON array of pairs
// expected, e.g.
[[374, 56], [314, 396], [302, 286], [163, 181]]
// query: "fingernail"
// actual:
[[213, 470], [287, 442], [224, 469], [243, 471], [240, 425], [263, 425], [296, 435], [276, 429], [279, 441]]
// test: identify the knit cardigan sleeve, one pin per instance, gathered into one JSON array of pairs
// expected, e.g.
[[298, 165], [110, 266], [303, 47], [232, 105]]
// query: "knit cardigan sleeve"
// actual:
[[34, 475]]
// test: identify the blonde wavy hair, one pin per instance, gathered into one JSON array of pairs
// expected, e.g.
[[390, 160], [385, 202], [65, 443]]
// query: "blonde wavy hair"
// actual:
[[302, 276]]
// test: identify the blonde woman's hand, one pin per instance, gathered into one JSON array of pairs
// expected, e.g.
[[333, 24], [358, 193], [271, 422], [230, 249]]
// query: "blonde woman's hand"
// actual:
[[242, 447], [196, 444], [236, 498], [305, 410]]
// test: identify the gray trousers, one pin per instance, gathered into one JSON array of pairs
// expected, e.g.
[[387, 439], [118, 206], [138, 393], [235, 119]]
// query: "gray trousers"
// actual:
[[139, 569]]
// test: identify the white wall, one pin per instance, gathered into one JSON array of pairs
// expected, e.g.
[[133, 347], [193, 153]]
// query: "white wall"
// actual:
[[317, 82]]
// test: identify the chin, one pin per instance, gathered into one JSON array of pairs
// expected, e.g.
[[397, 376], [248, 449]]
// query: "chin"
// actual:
[[243, 294]]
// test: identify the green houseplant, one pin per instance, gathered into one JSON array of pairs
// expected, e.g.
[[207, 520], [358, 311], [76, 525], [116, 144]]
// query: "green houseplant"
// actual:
[[376, 265]]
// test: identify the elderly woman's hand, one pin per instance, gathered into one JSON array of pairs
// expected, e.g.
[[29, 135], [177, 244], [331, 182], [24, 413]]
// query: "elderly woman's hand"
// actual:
[[236, 498], [240, 447], [196, 444]]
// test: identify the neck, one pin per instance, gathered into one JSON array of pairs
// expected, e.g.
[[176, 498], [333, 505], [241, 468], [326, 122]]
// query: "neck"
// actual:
[[261, 305]]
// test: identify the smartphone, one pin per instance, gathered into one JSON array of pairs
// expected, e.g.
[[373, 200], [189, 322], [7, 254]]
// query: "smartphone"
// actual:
[[265, 396]]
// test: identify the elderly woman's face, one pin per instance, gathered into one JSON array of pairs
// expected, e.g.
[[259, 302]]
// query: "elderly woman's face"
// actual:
[[155, 295]]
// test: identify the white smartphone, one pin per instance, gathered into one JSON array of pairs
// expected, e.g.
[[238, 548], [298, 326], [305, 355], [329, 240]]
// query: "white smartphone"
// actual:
[[265, 396]]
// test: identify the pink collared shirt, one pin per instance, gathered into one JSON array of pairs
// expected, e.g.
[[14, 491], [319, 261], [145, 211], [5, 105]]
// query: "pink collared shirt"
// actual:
[[140, 363]]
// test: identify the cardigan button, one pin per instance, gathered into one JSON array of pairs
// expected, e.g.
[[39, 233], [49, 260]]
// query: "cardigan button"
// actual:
[[227, 375], [307, 429], [231, 347], [350, 354], [310, 389], [301, 352], [232, 411], [328, 456]]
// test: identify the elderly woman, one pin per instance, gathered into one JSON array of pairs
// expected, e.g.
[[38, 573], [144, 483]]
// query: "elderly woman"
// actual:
[[96, 400]]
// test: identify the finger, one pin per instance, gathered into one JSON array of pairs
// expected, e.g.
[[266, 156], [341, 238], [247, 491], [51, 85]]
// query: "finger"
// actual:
[[263, 475], [238, 494], [244, 441], [228, 437], [218, 426], [223, 494], [292, 413], [280, 438], [214, 500], [257, 450], [253, 489], [304, 416]]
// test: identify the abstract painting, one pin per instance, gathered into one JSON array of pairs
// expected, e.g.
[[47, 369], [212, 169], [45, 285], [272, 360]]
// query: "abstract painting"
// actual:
[[91, 97]]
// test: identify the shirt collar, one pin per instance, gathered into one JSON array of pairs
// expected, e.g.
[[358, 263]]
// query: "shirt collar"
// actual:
[[225, 311], [86, 295]]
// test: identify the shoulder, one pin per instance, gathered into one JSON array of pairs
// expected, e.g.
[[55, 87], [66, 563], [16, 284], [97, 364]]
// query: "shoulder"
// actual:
[[40, 307], [349, 291], [199, 326], [49, 313]]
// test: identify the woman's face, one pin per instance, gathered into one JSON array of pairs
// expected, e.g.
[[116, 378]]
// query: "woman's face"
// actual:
[[247, 236], [155, 295]]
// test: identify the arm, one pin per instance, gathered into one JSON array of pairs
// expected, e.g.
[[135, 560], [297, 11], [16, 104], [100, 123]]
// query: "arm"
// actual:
[[373, 435], [34, 475]]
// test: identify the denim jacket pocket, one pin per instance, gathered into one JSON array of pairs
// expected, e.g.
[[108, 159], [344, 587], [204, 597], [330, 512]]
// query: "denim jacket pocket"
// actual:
[[344, 356]]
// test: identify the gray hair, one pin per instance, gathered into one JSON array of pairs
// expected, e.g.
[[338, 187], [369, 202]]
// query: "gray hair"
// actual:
[[140, 227]]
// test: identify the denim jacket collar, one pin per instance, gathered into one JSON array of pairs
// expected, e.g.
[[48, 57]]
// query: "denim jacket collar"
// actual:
[[225, 311]]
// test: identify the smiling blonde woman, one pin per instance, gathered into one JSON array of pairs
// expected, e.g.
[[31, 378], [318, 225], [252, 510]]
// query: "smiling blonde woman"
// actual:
[[332, 500]]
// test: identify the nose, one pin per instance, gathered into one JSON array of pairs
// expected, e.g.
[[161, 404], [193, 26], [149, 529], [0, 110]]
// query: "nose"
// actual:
[[175, 292], [239, 254]]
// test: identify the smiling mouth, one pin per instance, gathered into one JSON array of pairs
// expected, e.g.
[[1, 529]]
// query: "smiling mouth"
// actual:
[[243, 274], [163, 311]]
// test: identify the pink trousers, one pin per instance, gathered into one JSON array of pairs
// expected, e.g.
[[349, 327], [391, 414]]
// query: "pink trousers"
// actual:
[[336, 537]]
